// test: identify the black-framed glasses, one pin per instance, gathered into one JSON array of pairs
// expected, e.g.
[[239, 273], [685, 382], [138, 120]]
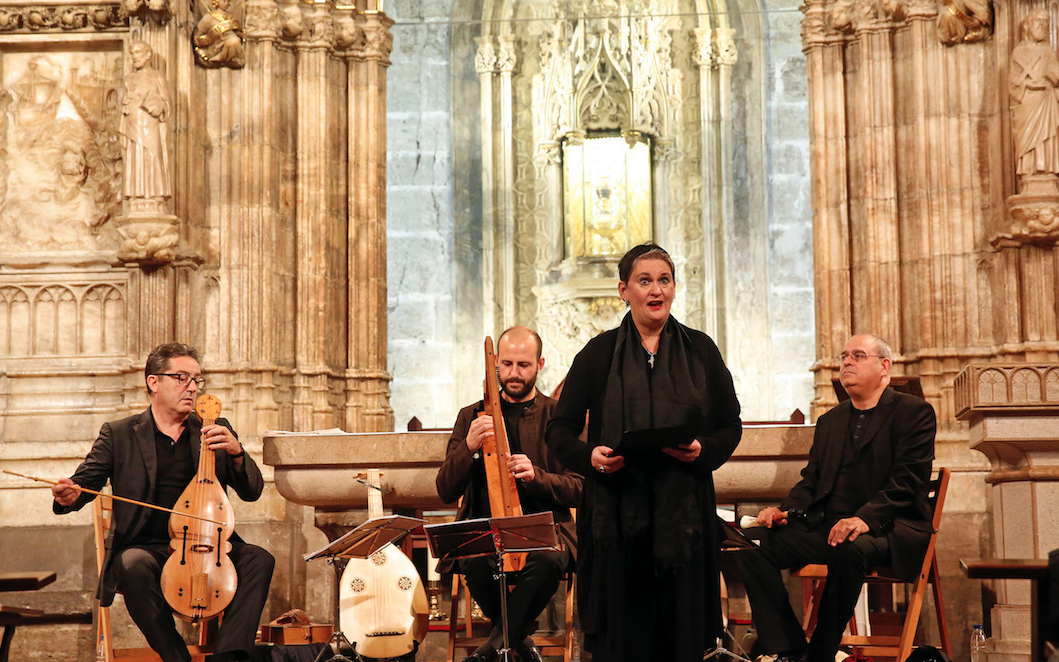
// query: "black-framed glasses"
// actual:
[[183, 378], [857, 356]]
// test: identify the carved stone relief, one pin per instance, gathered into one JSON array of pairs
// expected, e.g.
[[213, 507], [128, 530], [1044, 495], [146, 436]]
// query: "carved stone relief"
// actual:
[[604, 73], [59, 173], [964, 21], [566, 324], [218, 34], [72, 318], [157, 11], [999, 387], [958, 21], [41, 18]]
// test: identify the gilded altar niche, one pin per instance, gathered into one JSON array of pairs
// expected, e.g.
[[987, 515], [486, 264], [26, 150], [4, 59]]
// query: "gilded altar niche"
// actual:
[[613, 72], [60, 174]]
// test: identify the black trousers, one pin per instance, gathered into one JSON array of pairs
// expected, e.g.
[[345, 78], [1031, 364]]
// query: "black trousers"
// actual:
[[534, 587], [139, 570], [794, 545]]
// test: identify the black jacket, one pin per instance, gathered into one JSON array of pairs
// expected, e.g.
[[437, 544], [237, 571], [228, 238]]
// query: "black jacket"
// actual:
[[552, 484], [891, 469], [125, 454]]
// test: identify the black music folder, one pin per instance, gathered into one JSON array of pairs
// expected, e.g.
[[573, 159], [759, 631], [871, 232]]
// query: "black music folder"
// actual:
[[639, 442]]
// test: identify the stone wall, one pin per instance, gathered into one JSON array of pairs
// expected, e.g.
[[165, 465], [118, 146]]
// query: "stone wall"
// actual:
[[422, 267]]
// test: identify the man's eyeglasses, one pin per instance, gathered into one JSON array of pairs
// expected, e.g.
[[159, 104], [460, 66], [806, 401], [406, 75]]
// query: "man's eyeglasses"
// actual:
[[857, 356], [183, 378]]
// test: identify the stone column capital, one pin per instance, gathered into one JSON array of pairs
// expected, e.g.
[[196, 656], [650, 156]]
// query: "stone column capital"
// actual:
[[860, 16], [318, 32], [816, 26], [262, 21], [485, 58], [715, 47], [703, 55], [378, 38], [507, 53]]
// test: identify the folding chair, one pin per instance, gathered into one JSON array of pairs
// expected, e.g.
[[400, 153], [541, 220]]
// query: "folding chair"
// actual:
[[101, 524]]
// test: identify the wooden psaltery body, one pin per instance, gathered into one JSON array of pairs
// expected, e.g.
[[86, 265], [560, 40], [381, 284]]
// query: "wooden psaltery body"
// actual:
[[503, 487]]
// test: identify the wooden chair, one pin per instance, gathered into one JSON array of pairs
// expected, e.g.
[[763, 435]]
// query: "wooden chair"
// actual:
[[899, 648], [558, 644], [101, 525]]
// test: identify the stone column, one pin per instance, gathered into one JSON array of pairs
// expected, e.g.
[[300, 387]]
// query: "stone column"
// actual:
[[314, 171], [1013, 414], [875, 242], [829, 165], [506, 62], [715, 55], [495, 62], [367, 380], [249, 112]]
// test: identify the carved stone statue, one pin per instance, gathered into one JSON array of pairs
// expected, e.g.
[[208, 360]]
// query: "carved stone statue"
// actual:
[[149, 234], [1034, 89], [145, 110], [1033, 85], [219, 38]]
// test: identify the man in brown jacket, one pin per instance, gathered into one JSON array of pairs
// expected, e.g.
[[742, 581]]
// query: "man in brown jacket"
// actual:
[[543, 485]]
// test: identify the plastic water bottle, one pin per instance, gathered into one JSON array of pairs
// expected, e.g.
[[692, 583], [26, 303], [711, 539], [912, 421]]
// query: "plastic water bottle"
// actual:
[[101, 650], [977, 644]]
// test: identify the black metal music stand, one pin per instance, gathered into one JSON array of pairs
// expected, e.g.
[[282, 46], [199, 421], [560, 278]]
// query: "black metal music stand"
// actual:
[[368, 538], [488, 536]]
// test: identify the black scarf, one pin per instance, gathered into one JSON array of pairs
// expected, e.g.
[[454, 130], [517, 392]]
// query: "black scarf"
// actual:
[[653, 501]]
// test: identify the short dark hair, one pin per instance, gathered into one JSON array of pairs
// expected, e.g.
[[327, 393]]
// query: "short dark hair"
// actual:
[[158, 359], [537, 338], [648, 250]]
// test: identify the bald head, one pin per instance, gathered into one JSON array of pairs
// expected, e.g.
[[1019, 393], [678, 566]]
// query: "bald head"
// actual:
[[518, 359], [521, 334]]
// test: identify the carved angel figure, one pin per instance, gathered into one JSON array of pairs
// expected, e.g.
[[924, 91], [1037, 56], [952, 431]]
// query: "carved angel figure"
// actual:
[[219, 38], [1033, 85], [145, 109]]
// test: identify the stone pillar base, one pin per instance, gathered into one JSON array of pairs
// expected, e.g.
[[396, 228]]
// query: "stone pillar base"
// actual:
[[1011, 634]]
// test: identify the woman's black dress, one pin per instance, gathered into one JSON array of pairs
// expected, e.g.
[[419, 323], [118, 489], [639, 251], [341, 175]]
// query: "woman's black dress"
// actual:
[[648, 577]]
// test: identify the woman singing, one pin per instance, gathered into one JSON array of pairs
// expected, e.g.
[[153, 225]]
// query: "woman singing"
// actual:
[[648, 578]]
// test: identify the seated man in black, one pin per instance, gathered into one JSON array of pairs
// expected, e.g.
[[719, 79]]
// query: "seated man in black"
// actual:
[[862, 501], [543, 484], [152, 457]]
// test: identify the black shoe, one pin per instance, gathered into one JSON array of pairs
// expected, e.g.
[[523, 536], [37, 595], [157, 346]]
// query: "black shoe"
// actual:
[[527, 651], [486, 653]]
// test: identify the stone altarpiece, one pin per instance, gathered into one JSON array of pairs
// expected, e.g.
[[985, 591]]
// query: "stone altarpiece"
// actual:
[[259, 237], [657, 71]]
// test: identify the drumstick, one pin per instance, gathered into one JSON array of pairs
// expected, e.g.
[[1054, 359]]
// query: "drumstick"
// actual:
[[749, 522], [75, 486]]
